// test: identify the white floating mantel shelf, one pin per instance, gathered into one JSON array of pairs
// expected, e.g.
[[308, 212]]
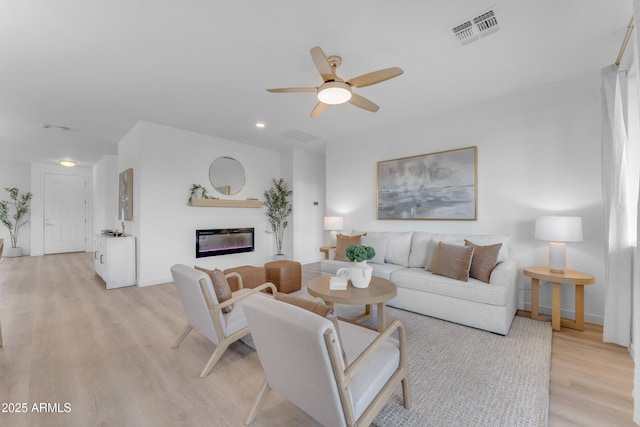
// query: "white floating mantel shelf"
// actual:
[[223, 203]]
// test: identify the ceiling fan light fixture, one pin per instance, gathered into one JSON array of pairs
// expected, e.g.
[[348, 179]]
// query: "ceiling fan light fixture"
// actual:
[[334, 93]]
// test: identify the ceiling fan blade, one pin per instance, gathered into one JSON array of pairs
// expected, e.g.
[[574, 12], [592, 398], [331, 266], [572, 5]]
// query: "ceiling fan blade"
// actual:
[[322, 63], [293, 89], [320, 107], [375, 77], [363, 103]]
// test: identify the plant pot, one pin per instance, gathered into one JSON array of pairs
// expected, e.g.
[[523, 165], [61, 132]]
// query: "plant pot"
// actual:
[[359, 274], [12, 252]]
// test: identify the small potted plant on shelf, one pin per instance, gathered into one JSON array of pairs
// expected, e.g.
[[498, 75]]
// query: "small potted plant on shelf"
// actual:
[[360, 274], [195, 188], [19, 203]]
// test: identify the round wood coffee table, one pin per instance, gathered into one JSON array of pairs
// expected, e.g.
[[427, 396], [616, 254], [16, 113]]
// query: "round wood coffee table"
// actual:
[[379, 292]]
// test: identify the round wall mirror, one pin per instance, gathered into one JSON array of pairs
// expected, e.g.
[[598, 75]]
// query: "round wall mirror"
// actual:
[[226, 175]]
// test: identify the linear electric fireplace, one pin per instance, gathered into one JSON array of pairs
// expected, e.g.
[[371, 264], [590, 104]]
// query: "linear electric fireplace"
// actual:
[[222, 241]]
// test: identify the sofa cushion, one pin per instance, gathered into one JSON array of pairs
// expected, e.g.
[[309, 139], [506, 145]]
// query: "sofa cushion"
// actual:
[[379, 244], [472, 290], [484, 260], [452, 261], [399, 248], [343, 241], [419, 245]]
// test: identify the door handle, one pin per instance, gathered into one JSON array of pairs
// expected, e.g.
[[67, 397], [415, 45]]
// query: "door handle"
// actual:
[[101, 262]]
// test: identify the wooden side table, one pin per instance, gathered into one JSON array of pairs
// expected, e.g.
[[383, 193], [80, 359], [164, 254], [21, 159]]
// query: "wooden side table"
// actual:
[[576, 278], [325, 250]]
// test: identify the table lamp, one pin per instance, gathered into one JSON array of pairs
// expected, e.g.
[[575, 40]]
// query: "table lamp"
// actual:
[[333, 224], [557, 230]]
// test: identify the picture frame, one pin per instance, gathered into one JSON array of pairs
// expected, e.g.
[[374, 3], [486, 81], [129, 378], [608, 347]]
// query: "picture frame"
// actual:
[[434, 186], [125, 206]]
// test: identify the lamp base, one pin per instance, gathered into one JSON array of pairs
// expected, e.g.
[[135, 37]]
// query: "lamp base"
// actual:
[[557, 257]]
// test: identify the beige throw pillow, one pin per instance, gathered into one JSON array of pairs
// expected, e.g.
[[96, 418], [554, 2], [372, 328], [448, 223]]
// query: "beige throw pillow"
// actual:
[[220, 286], [318, 308], [343, 241], [313, 306], [484, 260], [452, 261]]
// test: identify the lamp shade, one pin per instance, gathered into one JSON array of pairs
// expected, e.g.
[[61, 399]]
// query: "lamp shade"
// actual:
[[333, 223], [559, 228]]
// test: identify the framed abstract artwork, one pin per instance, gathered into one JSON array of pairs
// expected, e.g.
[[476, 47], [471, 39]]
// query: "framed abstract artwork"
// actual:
[[125, 207], [435, 186]]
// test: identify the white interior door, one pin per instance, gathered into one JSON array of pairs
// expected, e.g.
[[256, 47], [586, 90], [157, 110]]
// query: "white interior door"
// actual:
[[65, 215]]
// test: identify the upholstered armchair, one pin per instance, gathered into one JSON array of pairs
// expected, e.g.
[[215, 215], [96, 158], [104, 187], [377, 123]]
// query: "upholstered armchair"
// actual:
[[302, 358], [205, 313]]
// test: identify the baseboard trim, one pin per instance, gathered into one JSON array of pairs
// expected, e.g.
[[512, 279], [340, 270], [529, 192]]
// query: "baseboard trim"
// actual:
[[569, 314]]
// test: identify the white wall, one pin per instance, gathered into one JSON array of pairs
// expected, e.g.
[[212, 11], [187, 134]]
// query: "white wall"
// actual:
[[308, 188], [15, 174], [166, 162], [538, 154], [38, 170], [105, 193]]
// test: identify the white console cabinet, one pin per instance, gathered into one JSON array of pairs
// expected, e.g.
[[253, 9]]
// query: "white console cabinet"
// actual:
[[115, 260]]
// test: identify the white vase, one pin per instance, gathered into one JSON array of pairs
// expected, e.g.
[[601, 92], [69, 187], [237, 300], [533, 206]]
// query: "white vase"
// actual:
[[10, 252], [360, 274]]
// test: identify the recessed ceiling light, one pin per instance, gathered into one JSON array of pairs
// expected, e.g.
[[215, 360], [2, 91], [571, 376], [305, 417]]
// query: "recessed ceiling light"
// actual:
[[259, 125], [68, 163]]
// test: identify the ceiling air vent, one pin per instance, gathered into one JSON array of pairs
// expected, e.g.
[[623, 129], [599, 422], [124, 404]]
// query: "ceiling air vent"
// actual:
[[298, 135], [486, 23], [472, 29], [464, 33]]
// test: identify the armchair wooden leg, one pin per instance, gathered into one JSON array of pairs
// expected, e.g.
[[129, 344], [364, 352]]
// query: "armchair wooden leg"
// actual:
[[406, 392], [217, 354], [183, 335], [264, 392]]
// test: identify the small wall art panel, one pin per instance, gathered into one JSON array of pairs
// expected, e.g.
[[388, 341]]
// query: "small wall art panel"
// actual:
[[436, 186], [125, 207]]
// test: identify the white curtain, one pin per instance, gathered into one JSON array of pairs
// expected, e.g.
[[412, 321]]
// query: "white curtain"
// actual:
[[618, 254]]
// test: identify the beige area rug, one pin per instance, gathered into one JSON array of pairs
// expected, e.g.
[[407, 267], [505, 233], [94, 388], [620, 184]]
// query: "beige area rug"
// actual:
[[462, 376]]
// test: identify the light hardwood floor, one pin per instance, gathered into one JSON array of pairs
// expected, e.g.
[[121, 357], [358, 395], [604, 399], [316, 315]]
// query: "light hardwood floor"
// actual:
[[108, 356]]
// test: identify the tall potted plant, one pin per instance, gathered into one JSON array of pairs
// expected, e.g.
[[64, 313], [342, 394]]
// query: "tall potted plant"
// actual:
[[276, 200], [19, 203]]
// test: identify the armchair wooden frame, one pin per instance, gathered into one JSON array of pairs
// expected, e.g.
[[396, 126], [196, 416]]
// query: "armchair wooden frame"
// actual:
[[344, 377], [215, 309]]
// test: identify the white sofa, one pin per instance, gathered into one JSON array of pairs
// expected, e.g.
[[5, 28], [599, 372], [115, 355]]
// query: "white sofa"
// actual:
[[488, 306]]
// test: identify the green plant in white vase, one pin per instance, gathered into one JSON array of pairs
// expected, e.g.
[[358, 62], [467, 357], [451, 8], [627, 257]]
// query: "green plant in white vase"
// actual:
[[276, 200], [13, 213], [360, 273]]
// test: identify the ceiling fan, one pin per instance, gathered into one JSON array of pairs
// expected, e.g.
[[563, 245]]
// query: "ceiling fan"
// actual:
[[335, 90]]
